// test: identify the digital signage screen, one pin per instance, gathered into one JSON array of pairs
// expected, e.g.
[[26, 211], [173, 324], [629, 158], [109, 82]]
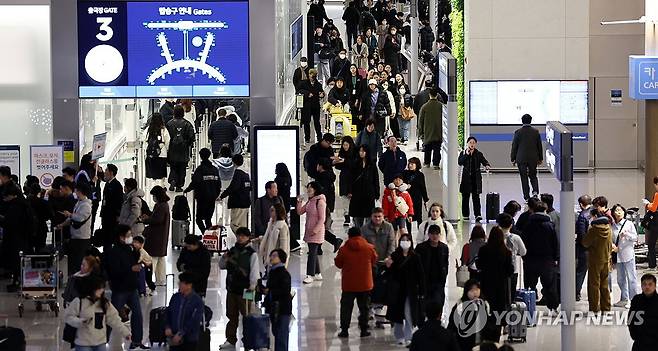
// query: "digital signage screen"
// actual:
[[163, 49], [504, 102], [296, 36]]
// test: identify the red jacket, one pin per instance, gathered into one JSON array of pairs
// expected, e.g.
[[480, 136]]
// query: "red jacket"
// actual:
[[356, 259], [388, 205]]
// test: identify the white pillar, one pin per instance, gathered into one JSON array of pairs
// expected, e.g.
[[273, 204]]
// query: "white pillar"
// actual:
[[567, 265], [433, 21], [413, 67]]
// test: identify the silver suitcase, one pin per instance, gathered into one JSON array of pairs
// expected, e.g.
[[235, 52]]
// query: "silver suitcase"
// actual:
[[179, 229]]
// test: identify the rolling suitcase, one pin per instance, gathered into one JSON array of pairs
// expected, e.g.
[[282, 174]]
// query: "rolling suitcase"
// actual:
[[157, 319], [179, 229], [492, 203], [12, 339], [529, 297], [204, 335], [256, 330], [518, 327]]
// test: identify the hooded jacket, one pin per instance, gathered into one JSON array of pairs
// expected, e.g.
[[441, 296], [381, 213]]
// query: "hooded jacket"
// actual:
[[316, 210], [355, 260], [131, 209], [391, 211], [540, 238], [225, 167], [598, 241]]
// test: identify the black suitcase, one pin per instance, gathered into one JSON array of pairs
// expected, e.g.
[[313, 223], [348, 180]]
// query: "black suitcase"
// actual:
[[492, 206], [157, 319], [12, 339]]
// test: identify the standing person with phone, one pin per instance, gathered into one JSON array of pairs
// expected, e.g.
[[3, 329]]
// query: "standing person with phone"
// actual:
[[315, 209], [471, 183], [80, 222], [527, 153]]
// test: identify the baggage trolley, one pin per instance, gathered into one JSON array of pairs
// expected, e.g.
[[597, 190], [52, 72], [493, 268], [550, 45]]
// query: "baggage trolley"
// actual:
[[39, 281]]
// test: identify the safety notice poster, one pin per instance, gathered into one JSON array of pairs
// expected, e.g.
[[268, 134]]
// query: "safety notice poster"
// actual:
[[46, 163]]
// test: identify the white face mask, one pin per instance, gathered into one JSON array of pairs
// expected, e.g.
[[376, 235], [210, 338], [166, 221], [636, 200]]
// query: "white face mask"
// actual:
[[303, 64], [128, 240], [342, 56], [405, 245]]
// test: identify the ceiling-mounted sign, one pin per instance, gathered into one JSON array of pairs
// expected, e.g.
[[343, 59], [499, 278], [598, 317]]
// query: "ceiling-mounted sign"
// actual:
[[163, 49], [643, 77]]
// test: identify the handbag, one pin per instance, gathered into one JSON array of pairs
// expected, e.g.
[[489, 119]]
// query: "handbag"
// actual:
[[78, 225], [648, 219], [71, 332], [407, 113]]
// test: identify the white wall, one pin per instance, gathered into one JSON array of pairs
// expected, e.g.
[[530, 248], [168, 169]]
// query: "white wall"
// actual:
[[25, 83]]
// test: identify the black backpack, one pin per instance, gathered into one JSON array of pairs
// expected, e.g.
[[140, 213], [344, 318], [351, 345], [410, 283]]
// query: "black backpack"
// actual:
[[153, 147], [181, 209]]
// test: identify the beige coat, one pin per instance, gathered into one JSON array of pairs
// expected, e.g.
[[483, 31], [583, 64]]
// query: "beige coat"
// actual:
[[277, 236]]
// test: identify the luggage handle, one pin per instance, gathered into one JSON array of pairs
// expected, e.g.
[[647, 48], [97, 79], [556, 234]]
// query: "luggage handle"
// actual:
[[173, 277]]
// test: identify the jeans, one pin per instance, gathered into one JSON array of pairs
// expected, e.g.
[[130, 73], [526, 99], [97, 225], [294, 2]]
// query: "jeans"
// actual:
[[177, 174], [477, 206], [432, 147], [347, 305], [281, 332], [403, 331], [404, 128], [313, 263], [527, 170], [627, 279], [101, 347], [307, 113], [581, 270], [130, 298], [650, 237]]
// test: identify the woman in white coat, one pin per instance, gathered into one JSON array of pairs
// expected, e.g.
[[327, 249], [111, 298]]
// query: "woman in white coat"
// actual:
[[624, 237], [277, 236], [436, 215]]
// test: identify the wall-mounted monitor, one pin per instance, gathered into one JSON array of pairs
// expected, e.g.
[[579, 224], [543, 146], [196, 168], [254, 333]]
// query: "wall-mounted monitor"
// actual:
[[503, 102], [273, 145], [296, 37], [163, 49]]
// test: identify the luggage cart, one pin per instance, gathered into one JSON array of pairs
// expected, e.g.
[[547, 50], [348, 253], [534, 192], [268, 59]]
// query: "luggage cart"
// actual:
[[39, 281]]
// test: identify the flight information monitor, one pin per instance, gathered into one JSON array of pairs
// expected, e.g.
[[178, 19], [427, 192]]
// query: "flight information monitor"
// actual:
[[504, 102], [163, 49]]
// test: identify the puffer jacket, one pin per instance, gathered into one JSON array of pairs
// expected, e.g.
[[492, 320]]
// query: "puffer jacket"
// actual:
[[355, 260], [598, 242], [131, 209], [220, 132], [82, 314], [315, 210]]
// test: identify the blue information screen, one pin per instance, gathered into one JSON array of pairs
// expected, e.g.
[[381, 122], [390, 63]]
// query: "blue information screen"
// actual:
[[163, 49]]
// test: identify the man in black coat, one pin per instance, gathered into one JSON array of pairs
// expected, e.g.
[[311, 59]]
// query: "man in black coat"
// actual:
[[195, 258], [541, 259], [123, 273], [643, 316], [207, 187], [301, 74], [351, 17], [239, 195], [111, 207], [527, 153], [435, 254], [317, 10], [471, 183], [313, 92], [393, 161], [426, 36], [221, 132], [341, 66], [375, 105], [18, 225], [391, 49], [327, 178], [262, 208], [582, 224], [432, 335], [318, 151], [182, 136]]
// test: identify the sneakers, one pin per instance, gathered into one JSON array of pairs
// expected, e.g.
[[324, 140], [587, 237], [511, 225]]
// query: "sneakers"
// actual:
[[139, 347], [227, 346], [318, 277], [621, 303], [308, 280], [343, 334]]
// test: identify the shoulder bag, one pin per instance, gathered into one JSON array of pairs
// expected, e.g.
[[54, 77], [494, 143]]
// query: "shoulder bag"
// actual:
[[71, 332]]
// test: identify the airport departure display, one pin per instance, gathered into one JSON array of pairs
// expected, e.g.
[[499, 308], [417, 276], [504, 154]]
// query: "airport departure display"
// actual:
[[163, 49], [504, 102]]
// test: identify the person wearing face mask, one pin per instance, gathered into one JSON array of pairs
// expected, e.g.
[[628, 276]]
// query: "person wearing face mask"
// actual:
[[341, 66], [301, 74], [391, 122], [392, 49], [123, 274], [80, 222], [313, 92], [375, 105], [406, 289], [91, 314]]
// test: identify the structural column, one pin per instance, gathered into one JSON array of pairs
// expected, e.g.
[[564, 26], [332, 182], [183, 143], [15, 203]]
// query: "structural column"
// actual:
[[651, 144]]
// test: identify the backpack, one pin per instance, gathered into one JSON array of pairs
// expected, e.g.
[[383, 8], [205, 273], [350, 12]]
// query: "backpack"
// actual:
[[181, 209], [153, 147]]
